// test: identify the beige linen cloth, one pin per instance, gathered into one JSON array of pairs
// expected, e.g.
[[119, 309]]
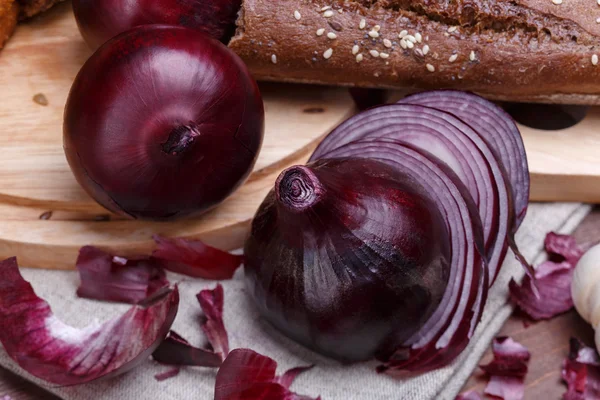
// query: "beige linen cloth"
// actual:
[[246, 329]]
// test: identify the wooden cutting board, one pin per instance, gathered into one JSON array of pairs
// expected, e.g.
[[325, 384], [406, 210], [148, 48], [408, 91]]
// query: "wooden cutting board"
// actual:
[[45, 217]]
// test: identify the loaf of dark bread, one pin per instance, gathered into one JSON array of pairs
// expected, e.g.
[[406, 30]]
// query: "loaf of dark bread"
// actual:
[[518, 50], [8, 19]]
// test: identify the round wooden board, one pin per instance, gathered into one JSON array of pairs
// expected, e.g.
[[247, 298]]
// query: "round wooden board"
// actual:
[[43, 57]]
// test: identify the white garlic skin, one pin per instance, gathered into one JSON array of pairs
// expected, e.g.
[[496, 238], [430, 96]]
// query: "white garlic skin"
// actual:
[[585, 289]]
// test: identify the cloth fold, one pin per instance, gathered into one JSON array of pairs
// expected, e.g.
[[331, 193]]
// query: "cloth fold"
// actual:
[[329, 379]]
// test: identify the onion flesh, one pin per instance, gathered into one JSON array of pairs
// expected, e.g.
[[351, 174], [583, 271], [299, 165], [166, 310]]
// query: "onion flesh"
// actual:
[[499, 130]]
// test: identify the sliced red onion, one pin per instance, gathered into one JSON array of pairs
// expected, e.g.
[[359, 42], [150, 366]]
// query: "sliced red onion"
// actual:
[[49, 349], [453, 142], [447, 331], [211, 302], [581, 372], [163, 376], [246, 374], [175, 350], [196, 259], [508, 369], [109, 278], [469, 395], [498, 129]]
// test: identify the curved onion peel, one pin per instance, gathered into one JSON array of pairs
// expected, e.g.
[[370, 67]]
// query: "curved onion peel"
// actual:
[[60, 354]]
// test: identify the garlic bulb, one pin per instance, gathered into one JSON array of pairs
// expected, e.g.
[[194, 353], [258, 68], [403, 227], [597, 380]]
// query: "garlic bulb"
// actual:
[[585, 289]]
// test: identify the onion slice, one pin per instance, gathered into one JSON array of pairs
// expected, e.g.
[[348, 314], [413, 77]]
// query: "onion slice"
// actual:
[[196, 259], [49, 349], [498, 129], [109, 278], [453, 142], [447, 332], [246, 374]]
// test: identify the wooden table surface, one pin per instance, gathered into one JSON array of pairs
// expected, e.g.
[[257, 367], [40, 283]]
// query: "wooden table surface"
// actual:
[[548, 342]]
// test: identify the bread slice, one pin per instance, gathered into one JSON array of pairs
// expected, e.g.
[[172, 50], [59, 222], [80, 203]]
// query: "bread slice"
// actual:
[[526, 50], [9, 11]]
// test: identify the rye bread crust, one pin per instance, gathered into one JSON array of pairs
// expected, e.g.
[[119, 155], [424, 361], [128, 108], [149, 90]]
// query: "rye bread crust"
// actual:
[[8, 19], [525, 50]]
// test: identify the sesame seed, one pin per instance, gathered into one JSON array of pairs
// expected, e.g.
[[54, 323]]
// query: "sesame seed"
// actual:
[[453, 57], [430, 68], [403, 44], [387, 43], [451, 29], [595, 59], [374, 53], [409, 44], [332, 35], [598, 20], [384, 55], [297, 15], [411, 38], [363, 24], [340, 11], [359, 58], [557, 2], [325, 8], [274, 58], [472, 56], [402, 34], [425, 49], [374, 34], [328, 53], [377, 28], [355, 49], [320, 32], [419, 37], [328, 14], [446, 34]]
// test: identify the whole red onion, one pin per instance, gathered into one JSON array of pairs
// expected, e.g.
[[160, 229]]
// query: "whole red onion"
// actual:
[[100, 20], [348, 257], [162, 122]]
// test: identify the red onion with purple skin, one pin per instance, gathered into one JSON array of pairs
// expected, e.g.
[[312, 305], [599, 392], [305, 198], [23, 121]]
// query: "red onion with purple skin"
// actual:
[[359, 259], [101, 20], [336, 237], [162, 122]]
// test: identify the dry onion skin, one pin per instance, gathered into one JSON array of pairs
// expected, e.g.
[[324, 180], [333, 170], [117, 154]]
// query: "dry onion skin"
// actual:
[[57, 353]]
